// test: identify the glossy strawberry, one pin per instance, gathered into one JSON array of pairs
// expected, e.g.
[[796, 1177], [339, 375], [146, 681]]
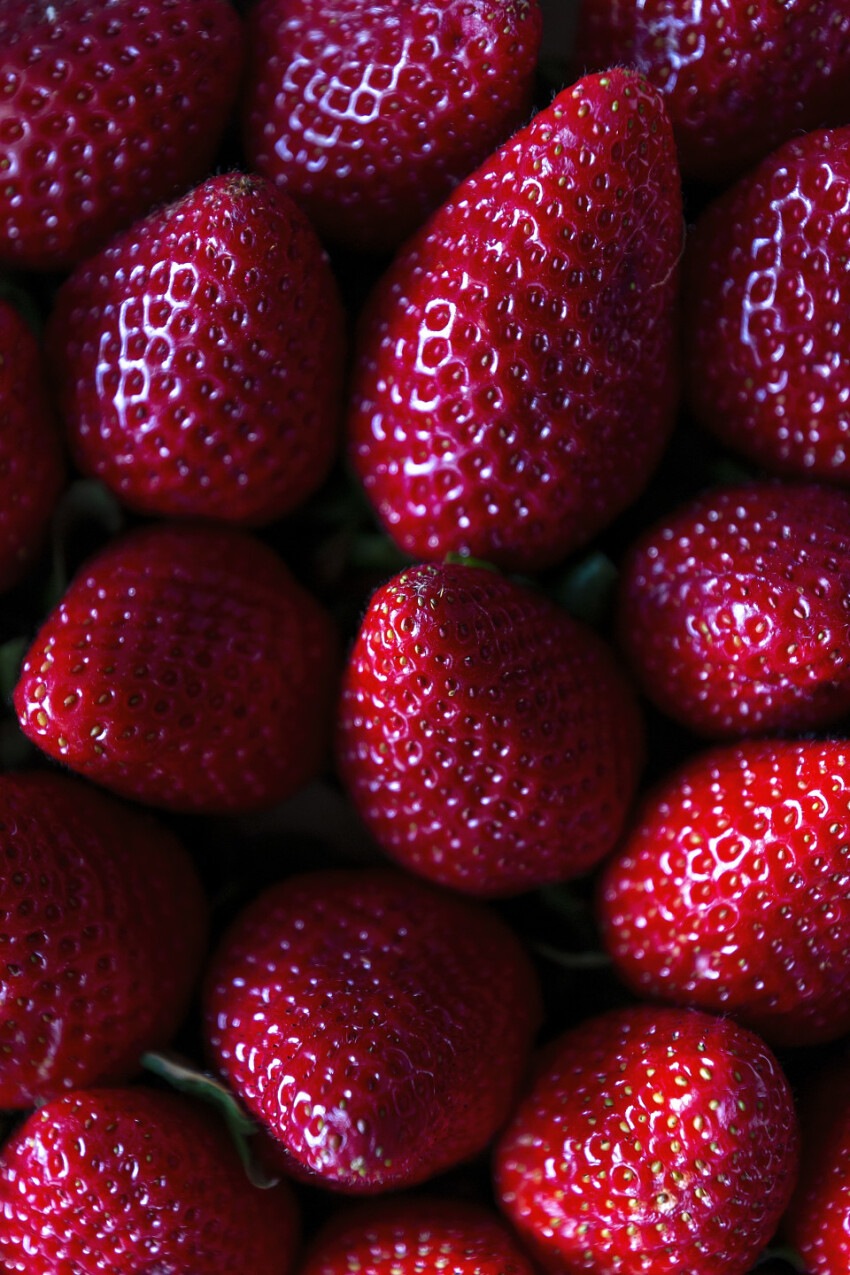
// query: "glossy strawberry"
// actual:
[[767, 337], [735, 610], [489, 740], [654, 1140], [199, 357], [368, 114], [135, 1182], [522, 344], [107, 107], [184, 667], [818, 1219], [378, 1028]]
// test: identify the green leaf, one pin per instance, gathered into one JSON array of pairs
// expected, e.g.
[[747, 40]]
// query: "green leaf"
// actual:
[[593, 960], [587, 590], [86, 504], [467, 560]]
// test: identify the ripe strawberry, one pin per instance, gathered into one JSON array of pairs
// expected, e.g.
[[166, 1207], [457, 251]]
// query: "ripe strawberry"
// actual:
[[737, 79], [818, 1220], [135, 1182], [368, 114], [767, 338], [653, 1140], [107, 108], [184, 667], [377, 1027], [735, 610], [489, 740], [523, 342]]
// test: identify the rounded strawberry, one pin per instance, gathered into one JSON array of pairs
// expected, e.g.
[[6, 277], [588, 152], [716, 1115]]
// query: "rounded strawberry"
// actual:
[[522, 344], [735, 610], [655, 1140], [199, 357], [378, 1028], [107, 107], [136, 1182], [368, 114], [489, 740], [767, 337], [184, 667], [818, 1220]]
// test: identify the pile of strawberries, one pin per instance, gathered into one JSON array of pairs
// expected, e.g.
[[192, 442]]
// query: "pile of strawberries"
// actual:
[[425, 571]]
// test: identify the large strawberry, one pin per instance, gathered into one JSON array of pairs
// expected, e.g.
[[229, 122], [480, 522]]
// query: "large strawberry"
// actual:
[[654, 1140], [488, 739], [187, 668], [368, 113], [377, 1027], [818, 1219], [516, 375], [107, 107], [199, 357]]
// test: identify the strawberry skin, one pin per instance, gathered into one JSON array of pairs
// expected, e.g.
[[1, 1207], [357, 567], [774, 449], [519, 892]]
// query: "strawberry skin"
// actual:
[[107, 107], [489, 741], [199, 357], [655, 1140], [734, 610], [378, 1028], [136, 1182], [818, 1220], [523, 342], [184, 667], [767, 335], [369, 112]]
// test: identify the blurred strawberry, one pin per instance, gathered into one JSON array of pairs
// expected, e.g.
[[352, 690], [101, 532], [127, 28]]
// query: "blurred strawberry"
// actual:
[[818, 1219]]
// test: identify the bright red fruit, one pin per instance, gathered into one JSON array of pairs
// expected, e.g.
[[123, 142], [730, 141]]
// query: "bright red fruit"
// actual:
[[199, 357], [735, 610], [523, 343], [489, 740], [767, 334], [187, 668], [369, 113], [654, 1140], [818, 1220], [135, 1182], [377, 1027]]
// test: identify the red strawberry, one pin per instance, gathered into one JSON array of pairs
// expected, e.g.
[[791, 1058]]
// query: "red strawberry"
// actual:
[[735, 610], [200, 356], [818, 1220], [488, 739], [377, 1027], [31, 466], [368, 114], [768, 340], [133, 1182], [738, 79], [108, 107], [187, 668], [654, 1140], [523, 343]]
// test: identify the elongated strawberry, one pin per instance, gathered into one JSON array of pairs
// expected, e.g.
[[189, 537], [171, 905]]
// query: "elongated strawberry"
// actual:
[[184, 667], [818, 1219], [522, 344]]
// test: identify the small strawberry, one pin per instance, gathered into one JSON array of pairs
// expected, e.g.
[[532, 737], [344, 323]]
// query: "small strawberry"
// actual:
[[107, 107], [767, 334], [368, 114], [735, 610], [489, 740], [136, 1182], [522, 344], [654, 1140], [184, 667], [378, 1028], [199, 357], [818, 1220]]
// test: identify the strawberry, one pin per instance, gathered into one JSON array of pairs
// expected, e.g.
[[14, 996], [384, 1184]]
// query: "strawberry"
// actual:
[[735, 610], [368, 114], [737, 79], [378, 1028], [523, 342], [135, 1182], [108, 107], [184, 667], [767, 338], [655, 1140], [818, 1220], [489, 740]]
